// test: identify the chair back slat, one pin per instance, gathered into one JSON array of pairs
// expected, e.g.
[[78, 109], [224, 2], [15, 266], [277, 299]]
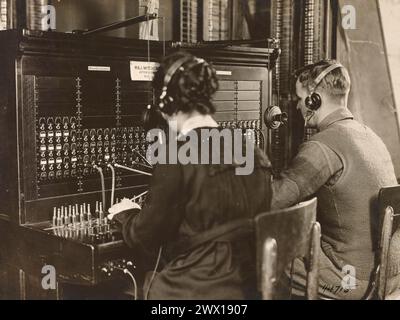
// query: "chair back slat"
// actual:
[[313, 270], [291, 228], [389, 209]]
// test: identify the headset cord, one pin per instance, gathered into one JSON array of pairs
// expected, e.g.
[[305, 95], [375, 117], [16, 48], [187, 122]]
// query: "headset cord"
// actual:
[[103, 187], [130, 275], [154, 273], [112, 184]]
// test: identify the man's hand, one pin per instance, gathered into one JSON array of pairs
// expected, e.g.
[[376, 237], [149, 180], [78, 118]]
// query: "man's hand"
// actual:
[[125, 204]]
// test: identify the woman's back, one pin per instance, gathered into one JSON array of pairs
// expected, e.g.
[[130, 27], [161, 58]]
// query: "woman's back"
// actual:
[[214, 195]]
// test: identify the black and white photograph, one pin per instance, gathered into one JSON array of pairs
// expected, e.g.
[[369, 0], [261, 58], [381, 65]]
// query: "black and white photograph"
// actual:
[[201, 154]]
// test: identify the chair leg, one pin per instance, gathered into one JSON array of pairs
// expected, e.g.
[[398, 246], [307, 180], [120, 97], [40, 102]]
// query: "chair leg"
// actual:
[[384, 250], [269, 269], [313, 270]]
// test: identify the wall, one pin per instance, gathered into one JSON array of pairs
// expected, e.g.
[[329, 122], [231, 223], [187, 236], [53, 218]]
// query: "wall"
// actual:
[[362, 50], [390, 19]]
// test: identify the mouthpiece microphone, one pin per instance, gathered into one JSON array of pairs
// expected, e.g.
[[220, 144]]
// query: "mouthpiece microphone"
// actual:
[[308, 117], [274, 117]]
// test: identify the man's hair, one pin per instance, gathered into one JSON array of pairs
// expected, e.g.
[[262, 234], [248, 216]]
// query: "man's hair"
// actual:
[[191, 88], [336, 83]]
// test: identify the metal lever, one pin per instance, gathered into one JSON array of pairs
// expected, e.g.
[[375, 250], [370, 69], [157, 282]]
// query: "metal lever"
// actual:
[[118, 25]]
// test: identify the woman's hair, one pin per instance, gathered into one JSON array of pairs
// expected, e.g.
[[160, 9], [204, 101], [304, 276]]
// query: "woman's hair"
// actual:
[[191, 87]]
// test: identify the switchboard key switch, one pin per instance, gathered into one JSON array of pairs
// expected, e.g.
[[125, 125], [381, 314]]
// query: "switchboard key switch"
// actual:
[[73, 147], [99, 134], [96, 213], [92, 135], [93, 162], [100, 159], [70, 219], [65, 218], [50, 123], [42, 124], [106, 134], [58, 123], [66, 165], [65, 123], [59, 222], [54, 221], [73, 123], [82, 218], [74, 216], [101, 218]]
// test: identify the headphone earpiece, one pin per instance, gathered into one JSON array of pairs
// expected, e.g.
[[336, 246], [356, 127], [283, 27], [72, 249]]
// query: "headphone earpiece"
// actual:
[[313, 101]]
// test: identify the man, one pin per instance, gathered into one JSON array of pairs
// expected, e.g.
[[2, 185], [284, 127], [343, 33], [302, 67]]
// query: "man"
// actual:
[[344, 164]]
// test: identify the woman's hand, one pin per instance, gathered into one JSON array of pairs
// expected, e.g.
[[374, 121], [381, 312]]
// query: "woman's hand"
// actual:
[[125, 204]]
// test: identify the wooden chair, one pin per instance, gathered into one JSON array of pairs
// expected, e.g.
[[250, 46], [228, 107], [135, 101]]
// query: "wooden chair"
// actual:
[[389, 257], [282, 236]]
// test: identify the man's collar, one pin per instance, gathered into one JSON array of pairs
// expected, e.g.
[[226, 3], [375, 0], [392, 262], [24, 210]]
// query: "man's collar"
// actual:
[[337, 115], [195, 122]]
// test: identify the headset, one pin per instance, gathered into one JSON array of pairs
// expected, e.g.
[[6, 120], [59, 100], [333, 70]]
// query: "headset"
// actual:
[[152, 116], [313, 101], [165, 99]]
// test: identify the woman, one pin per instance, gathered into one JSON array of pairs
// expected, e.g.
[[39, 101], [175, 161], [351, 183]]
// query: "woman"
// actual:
[[194, 211]]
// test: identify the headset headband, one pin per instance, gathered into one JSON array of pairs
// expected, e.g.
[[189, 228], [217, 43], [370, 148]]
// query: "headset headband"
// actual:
[[323, 74], [174, 68], [176, 65]]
